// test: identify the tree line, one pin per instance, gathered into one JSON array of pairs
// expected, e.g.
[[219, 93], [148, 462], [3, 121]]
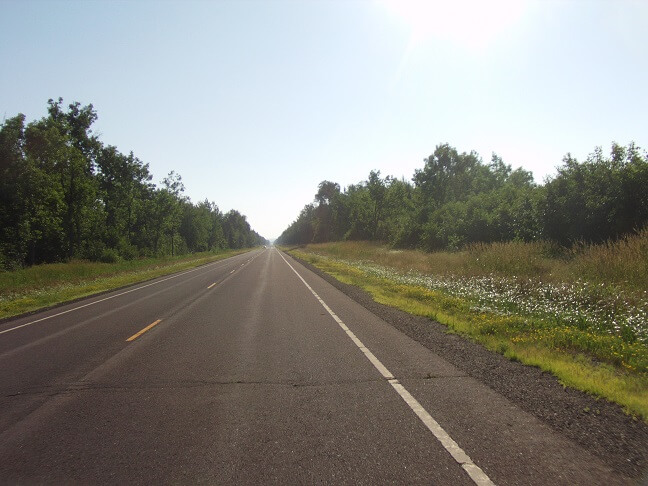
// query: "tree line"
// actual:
[[64, 194], [457, 199]]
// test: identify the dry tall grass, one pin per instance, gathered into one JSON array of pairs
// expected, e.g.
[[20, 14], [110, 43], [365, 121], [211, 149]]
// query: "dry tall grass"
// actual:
[[623, 263]]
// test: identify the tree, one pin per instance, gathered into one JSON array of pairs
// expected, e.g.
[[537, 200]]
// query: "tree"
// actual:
[[598, 200], [123, 181], [377, 192], [325, 216], [196, 226], [66, 195], [14, 227], [169, 206]]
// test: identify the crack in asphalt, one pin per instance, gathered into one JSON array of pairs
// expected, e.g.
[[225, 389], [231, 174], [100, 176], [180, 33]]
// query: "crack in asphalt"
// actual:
[[53, 391]]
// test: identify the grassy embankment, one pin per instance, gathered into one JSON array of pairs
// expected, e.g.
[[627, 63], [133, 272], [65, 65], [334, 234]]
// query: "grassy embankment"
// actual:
[[580, 314], [45, 285]]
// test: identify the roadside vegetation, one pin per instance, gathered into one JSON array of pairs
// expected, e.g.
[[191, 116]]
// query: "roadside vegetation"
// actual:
[[579, 313], [65, 195], [456, 200], [552, 274], [45, 285]]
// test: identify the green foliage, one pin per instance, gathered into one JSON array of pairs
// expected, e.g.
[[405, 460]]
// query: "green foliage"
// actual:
[[237, 232], [598, 200], [109, 255], [65, 195], [457, 200]]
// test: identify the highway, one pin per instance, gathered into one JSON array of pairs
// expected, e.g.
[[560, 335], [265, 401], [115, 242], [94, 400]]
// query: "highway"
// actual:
[[254, 370]]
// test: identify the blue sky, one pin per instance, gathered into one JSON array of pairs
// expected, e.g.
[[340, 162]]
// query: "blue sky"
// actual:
[[255, 102]]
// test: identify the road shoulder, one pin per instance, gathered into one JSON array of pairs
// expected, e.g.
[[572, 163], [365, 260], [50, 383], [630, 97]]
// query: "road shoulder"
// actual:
[[599, 426]]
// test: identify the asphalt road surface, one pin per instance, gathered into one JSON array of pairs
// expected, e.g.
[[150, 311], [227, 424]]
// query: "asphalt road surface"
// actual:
[[254, 370]]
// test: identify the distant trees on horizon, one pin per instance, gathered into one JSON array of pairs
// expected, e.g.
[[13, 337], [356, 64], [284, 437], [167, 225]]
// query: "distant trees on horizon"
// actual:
[[456, 199], [64, 194]]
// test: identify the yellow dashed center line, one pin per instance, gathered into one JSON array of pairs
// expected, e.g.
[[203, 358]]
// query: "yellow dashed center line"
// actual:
[[135, 336]]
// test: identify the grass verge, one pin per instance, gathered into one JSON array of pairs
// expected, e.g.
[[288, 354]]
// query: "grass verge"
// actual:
[[43, 286], [602, 364]]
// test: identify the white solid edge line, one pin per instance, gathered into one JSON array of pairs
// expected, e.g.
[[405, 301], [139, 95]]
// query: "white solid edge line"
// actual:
[[478, 476], [202, 267]]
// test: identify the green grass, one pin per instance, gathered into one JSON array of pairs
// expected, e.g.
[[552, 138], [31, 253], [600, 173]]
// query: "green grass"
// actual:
[[607, 364], [42, 286]]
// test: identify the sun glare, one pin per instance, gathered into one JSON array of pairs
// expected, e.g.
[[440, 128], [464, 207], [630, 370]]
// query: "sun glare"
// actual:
[[471, 23]]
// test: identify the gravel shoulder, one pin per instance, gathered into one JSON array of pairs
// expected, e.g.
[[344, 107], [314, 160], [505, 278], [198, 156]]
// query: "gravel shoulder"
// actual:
[[599, 426]]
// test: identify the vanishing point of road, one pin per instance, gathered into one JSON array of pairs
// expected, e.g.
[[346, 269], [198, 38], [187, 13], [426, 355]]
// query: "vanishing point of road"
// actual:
[[254, 370]]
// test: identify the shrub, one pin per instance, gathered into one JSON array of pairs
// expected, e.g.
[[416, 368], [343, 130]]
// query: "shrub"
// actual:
[[127, 251], [109, 255]]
